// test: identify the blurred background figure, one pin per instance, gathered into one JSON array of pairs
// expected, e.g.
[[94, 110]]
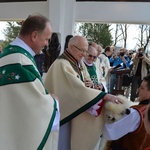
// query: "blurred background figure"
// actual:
[[39, 59], [93, 44], [100, 64], [113, 54], [130, 54], [122, 61], [127, 78], [52, 51], [104, 57], [140, 62], [68, 37]]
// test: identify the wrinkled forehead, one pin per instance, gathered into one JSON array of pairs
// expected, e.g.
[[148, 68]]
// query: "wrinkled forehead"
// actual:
[[82, 46], [79, 41]]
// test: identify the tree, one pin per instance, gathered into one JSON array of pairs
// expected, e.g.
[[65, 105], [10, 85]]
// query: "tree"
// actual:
[[11, 32], [117, 34], [121, 34], [144, 38], [124, 29], [96, 32]]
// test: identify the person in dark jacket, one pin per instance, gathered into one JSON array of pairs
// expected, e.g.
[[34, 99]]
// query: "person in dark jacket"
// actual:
[[39, 59], [52, 51], [68, 37]]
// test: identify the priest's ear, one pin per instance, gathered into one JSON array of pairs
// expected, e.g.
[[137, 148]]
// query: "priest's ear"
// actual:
[[34, 36]]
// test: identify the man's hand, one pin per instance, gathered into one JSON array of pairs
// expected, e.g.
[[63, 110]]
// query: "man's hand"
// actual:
[[98, 87], [88, 83]]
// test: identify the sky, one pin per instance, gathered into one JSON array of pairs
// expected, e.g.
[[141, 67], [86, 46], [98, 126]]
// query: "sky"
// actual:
[[2, 27], [132, 35]]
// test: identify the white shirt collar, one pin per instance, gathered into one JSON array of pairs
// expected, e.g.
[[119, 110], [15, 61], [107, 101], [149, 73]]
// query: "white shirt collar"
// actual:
[[22, 44], [87, 62]]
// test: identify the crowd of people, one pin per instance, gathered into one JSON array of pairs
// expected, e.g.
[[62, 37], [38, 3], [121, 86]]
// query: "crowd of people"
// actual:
[[66, 111]]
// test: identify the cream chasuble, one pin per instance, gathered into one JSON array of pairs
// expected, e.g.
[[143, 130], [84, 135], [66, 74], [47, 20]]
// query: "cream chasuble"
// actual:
[[65, 79], [27, 111]]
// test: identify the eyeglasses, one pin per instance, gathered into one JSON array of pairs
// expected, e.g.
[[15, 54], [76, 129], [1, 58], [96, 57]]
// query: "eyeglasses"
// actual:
[[91, 56], [81, 50]]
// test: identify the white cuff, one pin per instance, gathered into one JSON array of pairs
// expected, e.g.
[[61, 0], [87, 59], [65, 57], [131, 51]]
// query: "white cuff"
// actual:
[[57, 118]]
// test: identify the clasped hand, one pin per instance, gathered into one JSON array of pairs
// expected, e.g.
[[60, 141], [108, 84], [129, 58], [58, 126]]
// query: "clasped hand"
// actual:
[[88, 83]]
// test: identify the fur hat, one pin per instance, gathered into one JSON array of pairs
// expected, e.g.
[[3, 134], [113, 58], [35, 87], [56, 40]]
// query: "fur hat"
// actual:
[[114, 112]]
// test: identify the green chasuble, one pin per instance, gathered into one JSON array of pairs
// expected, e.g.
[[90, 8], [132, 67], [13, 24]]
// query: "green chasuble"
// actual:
[[93, 74], [27, 111], [65, 79]]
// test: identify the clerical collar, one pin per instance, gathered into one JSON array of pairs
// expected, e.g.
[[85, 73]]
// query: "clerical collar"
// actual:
[[74, 63], [86, 62], [19, 42], [147, 101]]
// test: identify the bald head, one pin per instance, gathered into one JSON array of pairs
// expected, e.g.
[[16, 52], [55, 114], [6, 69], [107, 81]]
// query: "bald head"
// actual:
[[92, 49], [95, 45], [78, 47], [77, 40]]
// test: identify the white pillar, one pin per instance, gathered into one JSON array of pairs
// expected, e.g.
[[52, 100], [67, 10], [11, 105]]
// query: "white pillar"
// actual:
[[62, 17]]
